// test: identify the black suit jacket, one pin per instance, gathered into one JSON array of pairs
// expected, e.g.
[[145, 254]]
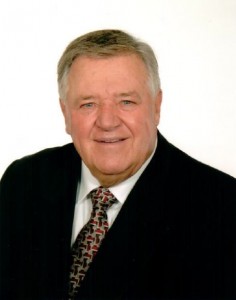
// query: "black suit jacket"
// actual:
[[174, 237]]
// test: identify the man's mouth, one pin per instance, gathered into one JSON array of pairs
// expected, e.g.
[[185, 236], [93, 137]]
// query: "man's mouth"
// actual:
[[110, 140]]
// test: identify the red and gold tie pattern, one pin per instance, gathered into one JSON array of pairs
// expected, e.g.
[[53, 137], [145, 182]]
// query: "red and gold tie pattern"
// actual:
[[90, 238]]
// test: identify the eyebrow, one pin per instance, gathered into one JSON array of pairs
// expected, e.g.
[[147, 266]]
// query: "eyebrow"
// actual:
[[128, 94], [117, 95], [85, 97]]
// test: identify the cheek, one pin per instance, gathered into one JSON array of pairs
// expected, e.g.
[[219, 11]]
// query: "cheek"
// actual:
[[80, 128], [148, 120], [69, 121]]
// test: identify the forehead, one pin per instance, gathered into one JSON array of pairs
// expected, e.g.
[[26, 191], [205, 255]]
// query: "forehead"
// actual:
[[108, 75], [129, 61]]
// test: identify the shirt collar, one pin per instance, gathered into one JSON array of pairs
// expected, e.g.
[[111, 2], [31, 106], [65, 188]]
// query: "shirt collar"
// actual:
[[120, 191]]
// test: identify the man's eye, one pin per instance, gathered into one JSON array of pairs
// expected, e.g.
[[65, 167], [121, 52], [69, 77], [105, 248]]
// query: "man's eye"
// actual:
[[87, 105], [127, 102]]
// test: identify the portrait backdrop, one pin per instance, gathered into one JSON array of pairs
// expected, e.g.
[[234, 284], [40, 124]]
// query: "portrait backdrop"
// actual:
[[195, 43]]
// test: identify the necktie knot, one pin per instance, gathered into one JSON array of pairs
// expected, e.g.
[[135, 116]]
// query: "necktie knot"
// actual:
[[102, 198]]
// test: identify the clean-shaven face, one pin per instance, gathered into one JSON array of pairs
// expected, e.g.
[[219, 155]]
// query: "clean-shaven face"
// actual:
[[111, 115]]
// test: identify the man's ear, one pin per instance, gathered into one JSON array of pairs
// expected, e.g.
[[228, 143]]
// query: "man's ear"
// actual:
[[63, 106], [66, 115], [158, 101]]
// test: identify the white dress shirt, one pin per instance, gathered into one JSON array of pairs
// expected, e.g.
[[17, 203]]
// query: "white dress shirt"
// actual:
[[83, 207]]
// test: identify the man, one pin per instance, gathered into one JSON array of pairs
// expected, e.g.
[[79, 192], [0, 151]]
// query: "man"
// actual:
[[169, 231]]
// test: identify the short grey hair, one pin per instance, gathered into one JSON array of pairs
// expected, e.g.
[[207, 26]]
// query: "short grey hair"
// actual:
[[107, 43]]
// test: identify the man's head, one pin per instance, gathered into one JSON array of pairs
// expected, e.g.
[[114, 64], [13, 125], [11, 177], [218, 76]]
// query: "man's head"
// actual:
[[107, 43], [110, 96]]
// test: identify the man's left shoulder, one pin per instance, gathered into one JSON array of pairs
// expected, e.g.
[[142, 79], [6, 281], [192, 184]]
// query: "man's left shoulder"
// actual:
[[183, 166]]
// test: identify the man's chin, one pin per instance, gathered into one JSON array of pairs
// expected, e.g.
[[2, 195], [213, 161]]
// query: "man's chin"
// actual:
[[109, 176]]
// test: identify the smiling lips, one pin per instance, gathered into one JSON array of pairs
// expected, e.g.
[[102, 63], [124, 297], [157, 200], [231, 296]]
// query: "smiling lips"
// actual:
[[110, 140]]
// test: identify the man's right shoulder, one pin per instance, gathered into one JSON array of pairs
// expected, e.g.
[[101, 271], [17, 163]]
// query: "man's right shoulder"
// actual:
[[46, 159]]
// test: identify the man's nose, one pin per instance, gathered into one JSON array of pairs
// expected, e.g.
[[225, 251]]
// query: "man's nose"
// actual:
[[107, 118]]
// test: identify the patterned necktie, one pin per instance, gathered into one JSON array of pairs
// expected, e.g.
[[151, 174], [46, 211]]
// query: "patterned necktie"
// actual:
[[90, 238]]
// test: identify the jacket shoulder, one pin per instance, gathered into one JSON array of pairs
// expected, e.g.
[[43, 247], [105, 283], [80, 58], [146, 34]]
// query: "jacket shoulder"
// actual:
[[186, 170], [180, 157], [42, 167]]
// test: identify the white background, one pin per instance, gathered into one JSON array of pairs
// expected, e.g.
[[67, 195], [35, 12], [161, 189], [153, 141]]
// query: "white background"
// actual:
[[195, 42]]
